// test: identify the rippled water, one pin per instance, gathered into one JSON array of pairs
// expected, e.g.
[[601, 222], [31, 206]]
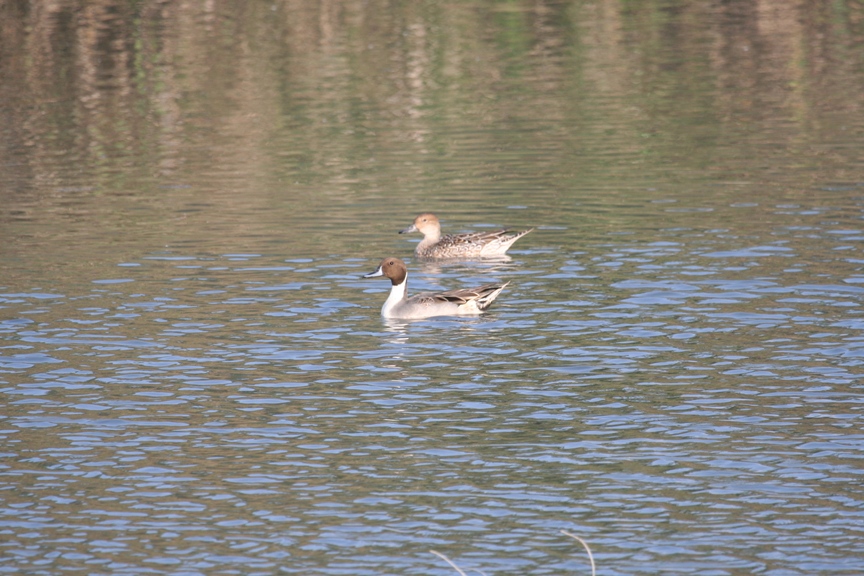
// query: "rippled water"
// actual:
[[687, 405], [197, 380]]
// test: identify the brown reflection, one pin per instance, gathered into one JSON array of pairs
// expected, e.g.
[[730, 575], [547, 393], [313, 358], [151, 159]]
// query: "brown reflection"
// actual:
[[152, 123]]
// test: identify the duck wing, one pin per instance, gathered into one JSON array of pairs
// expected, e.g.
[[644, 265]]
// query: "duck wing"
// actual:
[[483, 295], [474, 239]]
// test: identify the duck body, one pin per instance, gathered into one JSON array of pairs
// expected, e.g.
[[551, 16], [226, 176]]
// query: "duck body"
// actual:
[[458, 302], [471, 245]]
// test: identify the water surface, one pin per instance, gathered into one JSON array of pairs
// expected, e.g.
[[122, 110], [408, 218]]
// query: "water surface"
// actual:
[[196, 379]]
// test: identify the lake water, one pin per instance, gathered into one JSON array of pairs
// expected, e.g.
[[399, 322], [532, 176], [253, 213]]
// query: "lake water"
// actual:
[[196, 380]]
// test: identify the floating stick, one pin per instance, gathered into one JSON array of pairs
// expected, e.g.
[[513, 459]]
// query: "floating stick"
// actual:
[[448, 561], [587, 549]]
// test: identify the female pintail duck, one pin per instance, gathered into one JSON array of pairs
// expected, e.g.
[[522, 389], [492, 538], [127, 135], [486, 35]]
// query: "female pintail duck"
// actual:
[[451, 303], [472, 245]]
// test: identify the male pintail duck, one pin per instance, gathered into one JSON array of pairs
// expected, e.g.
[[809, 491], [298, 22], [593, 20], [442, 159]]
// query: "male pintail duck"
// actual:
[[472, 245], [451, 303]]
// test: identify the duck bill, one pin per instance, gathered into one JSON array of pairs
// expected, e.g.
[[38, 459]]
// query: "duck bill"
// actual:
[[411, 228], [377, 272]]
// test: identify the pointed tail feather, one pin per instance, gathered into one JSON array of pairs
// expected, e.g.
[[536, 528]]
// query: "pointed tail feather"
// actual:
[[488, 293], [502, 243]]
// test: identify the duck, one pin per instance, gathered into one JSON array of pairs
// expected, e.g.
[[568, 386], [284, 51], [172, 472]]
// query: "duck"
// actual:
[[472, 245], [460, 302]]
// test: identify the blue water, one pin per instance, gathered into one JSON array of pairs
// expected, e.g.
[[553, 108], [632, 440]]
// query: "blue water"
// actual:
[[197, 380]]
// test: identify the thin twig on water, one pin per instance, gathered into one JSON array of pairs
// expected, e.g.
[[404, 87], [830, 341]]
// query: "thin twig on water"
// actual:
[[449, 562], [587, 549], [581, 541]]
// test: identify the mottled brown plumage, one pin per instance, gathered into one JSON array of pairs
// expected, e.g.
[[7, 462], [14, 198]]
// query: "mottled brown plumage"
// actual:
[[471, 245]]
